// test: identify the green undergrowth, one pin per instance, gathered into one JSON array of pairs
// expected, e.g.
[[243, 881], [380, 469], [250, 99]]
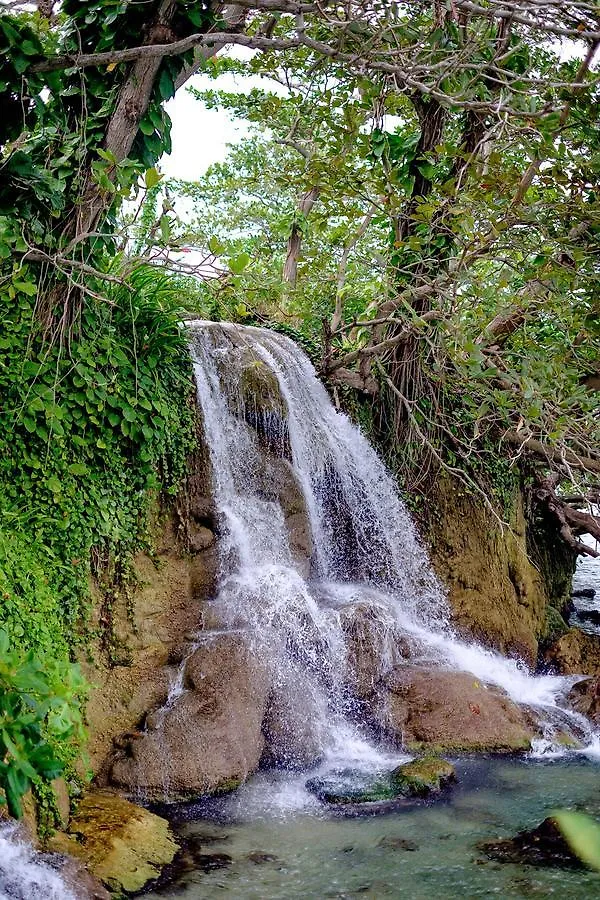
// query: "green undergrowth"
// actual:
[[90, 435]]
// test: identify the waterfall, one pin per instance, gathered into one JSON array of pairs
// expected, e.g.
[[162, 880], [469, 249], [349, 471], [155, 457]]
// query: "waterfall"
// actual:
[[24, 874], [368, 570]]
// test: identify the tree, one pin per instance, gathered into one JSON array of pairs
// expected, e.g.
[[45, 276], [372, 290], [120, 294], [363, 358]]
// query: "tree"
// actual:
[[489, 189]]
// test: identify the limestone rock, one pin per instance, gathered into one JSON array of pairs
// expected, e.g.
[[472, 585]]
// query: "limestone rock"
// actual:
[[122, 844], [442, 711], [291, 726], [584, 697], [503, 583], [210, 740], [576, 653]]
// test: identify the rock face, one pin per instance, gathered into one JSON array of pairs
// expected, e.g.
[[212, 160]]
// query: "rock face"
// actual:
[[451, 711], [170, 598], [210, 739], [290, 726], [123, 845], [507, 587], [584, 697], [575, 653]]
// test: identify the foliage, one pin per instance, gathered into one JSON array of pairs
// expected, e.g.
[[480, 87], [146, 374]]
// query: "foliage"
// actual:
[[39, 699], [89, 434], [483, 290], [582, 833]]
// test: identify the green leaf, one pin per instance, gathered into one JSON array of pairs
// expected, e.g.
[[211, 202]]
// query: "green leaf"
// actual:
[[166, 85], [165, 228], [152, 177], [26, 287], [237, 264], [215, 246], [78, 469], [53, 484], [582, 833], [146, 126]]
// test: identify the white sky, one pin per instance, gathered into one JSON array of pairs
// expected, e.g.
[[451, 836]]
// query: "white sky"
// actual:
[[199, 135]]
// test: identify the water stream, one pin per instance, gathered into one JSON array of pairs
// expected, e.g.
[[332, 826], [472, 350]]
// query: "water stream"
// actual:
[[24, 873]]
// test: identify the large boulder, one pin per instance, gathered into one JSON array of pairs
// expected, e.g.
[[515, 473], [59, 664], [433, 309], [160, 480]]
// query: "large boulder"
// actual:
[[209, 739], [291, 726], [122, 844], [446, 711], [575, 653], [371, 648], [584, 697]]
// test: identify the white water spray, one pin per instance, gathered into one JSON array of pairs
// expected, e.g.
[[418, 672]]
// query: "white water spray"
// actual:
[[24, 874], [367, 559]]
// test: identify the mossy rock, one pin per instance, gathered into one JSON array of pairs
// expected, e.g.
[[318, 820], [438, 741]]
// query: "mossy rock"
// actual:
[[122, 844], [416, 779], [424, 776], [259, 388]]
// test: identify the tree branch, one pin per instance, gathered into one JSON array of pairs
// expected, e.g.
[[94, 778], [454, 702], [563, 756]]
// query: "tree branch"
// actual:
[[563, 456]]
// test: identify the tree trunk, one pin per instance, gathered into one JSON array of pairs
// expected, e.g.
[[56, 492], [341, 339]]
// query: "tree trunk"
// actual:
[[294, 244]]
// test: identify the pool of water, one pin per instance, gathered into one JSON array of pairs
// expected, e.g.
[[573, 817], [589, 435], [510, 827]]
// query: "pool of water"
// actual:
[[271, 851]]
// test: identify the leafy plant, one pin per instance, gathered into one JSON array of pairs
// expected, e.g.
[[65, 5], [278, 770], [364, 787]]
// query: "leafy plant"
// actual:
[[582, 833], [38, 711]]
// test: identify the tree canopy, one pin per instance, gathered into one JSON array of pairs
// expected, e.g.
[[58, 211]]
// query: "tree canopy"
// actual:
[[418, 197]]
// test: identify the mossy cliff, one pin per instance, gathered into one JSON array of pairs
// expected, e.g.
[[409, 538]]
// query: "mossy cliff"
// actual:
[[507, 572]]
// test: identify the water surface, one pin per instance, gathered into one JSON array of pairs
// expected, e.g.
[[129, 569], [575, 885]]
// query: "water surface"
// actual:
[[304, 853]]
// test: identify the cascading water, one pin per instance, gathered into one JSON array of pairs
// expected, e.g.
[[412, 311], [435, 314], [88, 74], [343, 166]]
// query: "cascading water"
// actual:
[[24, 874], [366, 561]]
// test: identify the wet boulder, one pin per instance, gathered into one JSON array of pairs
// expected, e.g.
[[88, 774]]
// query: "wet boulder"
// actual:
[[417, 779], [542, 846], [575, 653], [446, 711], [123, 845], [209, 739], [291, 726], [584, 697], [424, 776]]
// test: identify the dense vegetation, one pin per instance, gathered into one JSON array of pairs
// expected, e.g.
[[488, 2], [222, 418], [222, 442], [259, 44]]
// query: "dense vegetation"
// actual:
[[418, 201]]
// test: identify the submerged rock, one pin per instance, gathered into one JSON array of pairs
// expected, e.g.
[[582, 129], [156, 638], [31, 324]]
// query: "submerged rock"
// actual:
[[210, 739], [542, 846], [419, 778], [389, 842], [122, 844], [447, 711]]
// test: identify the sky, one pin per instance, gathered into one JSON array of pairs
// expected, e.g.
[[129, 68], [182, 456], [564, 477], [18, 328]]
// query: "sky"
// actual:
[[199, 135]]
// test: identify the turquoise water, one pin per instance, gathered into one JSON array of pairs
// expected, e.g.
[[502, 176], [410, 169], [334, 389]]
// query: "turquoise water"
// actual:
[[424, 852]]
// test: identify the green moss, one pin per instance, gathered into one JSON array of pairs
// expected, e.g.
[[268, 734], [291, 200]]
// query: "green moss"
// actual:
[[227, 786], [455, 746], [423, 776]]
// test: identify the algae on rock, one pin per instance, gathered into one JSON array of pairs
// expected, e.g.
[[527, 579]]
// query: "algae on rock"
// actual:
[[122, 844]]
